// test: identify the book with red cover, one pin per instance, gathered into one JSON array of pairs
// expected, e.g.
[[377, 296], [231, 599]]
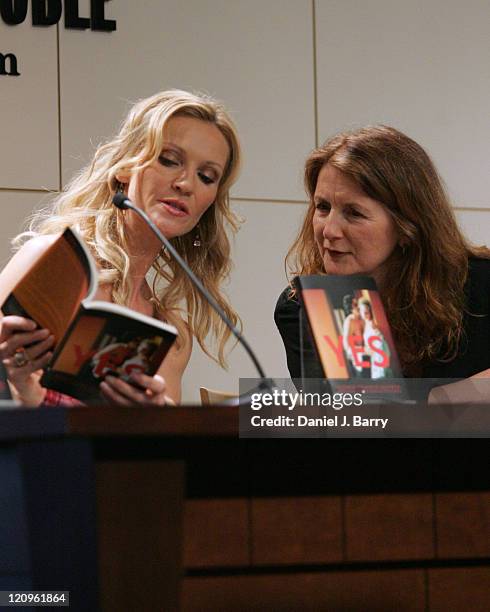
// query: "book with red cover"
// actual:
[[351, 333]]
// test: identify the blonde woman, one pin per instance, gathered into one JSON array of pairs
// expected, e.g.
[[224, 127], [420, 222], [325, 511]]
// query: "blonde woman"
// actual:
[[175, 156]]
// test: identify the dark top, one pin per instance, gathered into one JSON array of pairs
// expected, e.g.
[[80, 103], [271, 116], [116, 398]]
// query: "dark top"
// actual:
[[473, 355]]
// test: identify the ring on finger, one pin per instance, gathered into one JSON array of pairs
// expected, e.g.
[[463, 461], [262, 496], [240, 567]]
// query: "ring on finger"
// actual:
[[20, 358]]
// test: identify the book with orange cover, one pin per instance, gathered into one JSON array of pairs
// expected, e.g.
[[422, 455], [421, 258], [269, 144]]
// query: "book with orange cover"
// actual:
[[351, 333], [92, 338]]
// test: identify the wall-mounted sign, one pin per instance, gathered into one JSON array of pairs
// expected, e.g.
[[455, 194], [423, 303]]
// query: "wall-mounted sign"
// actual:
[[47, 13]]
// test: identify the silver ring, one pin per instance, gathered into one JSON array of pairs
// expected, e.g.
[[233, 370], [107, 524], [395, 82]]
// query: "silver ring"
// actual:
[[20, 358]]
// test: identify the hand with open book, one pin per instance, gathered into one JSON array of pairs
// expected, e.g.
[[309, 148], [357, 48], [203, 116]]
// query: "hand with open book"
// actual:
[[143, 389], [25, 350]]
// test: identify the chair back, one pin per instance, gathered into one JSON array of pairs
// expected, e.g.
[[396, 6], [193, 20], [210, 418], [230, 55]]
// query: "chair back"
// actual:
[[213, 397]]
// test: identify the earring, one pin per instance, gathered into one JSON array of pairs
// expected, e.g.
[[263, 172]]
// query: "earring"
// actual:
[[120, 188], [197, 237]]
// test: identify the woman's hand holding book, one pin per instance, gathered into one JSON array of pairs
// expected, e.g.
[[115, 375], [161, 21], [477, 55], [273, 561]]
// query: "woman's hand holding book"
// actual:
[[25, 351], [143, 389]]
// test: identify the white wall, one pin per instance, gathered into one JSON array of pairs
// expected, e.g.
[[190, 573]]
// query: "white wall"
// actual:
[[292, 72]]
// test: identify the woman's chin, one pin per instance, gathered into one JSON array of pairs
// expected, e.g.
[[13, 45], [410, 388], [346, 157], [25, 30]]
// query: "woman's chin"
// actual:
[[171, 228], [332, 268]]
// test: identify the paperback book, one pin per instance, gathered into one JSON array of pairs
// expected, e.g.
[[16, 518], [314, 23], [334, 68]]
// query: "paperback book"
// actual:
[[351, 334], [92, 338]]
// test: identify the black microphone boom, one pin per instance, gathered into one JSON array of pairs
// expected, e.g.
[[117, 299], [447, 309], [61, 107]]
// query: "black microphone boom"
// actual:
[[122, 202]]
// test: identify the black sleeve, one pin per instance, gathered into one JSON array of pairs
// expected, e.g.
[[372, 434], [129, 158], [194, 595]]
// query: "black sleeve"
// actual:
[[474, 351], [475, 356], [287, 318]]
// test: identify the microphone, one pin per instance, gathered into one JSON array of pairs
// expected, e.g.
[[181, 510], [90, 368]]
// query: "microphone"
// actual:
[[122, 202]]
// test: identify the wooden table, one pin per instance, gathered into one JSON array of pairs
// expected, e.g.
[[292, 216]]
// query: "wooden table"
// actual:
[[93, 502]]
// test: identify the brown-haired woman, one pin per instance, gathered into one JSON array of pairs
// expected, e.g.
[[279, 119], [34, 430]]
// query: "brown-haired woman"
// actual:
[[378, 207]]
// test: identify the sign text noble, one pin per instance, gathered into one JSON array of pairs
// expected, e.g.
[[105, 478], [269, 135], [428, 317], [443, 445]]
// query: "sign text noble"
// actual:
[[48, 13]]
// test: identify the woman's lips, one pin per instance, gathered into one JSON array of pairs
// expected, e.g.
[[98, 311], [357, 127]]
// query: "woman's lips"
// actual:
[[175, 208], [336, 254]]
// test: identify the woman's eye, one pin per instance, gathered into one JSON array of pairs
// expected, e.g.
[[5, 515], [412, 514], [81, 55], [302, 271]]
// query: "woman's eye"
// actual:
[[167, 161], [353, 212], [207, 180], [322, 207]]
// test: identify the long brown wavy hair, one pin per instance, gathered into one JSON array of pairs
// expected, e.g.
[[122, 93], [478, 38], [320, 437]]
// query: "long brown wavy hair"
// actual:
[[86, 205], [424, 293]]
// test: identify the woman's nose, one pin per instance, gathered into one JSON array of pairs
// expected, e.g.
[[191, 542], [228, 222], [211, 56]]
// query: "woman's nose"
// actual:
[[183, 183], [332, 227]]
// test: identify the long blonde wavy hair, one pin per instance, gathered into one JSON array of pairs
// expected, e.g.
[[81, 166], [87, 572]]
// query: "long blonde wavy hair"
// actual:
[[424, 296], [86, 205]]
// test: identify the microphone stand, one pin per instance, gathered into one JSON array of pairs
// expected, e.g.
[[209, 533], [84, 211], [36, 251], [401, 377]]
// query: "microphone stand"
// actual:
[[122, 202]]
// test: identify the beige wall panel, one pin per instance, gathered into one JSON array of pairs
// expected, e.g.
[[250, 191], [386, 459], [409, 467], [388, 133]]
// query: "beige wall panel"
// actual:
[[15, 207], [255, 56], [475, 225], [29, 157], [257, 281], [419, 66]]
